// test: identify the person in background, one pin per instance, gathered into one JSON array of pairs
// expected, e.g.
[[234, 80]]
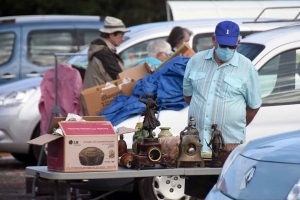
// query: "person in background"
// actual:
[[221, 86], [158, 52], [104, 64], [178, 36]]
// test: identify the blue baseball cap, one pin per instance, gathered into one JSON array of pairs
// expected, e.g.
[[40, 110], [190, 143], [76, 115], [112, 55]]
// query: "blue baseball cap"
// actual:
[[227, 33]]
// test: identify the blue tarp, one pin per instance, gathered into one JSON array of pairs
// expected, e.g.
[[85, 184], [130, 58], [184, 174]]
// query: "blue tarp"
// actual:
[[166, 82]]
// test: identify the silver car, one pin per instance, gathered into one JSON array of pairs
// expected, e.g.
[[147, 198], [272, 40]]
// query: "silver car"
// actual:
[[265, 168]]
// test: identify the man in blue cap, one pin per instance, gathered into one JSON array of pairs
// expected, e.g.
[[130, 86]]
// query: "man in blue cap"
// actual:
[[221, 86]]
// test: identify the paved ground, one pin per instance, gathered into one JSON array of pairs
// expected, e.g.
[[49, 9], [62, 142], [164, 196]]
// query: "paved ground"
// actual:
[[12, 179], [15, 184]]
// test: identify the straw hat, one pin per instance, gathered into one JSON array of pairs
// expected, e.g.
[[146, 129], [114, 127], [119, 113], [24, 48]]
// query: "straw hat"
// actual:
[[112, 25]]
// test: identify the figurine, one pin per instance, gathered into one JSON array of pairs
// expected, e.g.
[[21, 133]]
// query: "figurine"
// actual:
[[150, 122], [190, 129], [216, 144], [190, 146], [148, 150]]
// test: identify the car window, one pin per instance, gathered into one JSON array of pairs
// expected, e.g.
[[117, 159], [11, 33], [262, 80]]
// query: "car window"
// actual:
[[7, 41], [79, 60], [204, 41], [43, 44], [250, 50], [86, 36], [280, 79], [136, 53]]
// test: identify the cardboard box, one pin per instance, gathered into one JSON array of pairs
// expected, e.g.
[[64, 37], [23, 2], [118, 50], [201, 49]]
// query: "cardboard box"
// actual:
[[94, 100], [90, 145], [136, 73], [184, 50]]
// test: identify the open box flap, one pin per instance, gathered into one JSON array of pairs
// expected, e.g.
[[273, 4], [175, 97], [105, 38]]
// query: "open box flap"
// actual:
[[44, 139], [123, 130]]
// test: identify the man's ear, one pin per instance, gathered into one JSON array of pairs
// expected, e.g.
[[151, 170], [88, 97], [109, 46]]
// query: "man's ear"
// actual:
[[159, 55], [110, 35], [213, 37]]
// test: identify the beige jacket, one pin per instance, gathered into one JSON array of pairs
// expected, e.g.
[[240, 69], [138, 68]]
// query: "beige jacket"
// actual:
[[96, 74]]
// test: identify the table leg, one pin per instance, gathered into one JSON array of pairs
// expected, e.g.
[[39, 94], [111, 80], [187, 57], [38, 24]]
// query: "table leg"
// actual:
[[68, 192], [55, 189]]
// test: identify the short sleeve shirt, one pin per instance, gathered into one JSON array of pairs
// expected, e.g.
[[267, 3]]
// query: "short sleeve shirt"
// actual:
[[220, 95]]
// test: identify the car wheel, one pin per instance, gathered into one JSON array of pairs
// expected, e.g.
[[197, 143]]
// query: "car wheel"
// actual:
[[162, 187], [35, 149], [24, 158]]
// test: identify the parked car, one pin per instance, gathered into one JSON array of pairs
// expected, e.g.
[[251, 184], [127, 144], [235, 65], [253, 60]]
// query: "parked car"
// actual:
[[269, 46], [27, 43], [265, 168]]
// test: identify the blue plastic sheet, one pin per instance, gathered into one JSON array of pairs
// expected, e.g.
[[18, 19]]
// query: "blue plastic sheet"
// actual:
[[166, 82]]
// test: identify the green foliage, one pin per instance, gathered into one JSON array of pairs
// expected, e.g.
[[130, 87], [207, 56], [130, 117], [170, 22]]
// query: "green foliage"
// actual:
[[132, 12]]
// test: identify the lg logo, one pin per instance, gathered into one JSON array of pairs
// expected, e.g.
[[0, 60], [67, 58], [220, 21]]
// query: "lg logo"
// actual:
[[73, 142]]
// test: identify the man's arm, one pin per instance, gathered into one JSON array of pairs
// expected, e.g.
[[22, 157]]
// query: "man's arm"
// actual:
[[250, 114], [187, 99]]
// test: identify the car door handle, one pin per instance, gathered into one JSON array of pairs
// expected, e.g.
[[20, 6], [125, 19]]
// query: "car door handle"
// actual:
[[8, 76], [33, 74]]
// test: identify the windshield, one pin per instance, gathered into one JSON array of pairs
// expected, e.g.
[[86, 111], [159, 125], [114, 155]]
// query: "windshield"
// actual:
[[79, 60], [82, 60], [250, 50]]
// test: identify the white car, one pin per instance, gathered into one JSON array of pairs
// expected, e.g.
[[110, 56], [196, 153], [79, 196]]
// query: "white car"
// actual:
[[18, 102]]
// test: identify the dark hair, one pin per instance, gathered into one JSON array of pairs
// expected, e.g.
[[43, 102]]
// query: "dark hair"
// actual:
[[106, 35], [117, 32], [177, 35]]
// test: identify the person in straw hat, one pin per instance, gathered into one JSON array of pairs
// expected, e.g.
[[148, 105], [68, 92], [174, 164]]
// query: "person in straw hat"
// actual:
[[104, 64]]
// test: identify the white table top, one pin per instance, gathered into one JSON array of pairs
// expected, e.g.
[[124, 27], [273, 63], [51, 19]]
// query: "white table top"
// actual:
[[121, 173]]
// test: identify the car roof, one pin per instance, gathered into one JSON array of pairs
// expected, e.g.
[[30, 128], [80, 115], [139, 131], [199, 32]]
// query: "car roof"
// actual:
[[271, 40], [150, 31], [168, 25], [190, 24], [289, 33], [46, 18]]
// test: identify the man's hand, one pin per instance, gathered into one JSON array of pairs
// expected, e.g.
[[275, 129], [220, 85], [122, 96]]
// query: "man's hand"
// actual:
[[187, 99], [250, 114]]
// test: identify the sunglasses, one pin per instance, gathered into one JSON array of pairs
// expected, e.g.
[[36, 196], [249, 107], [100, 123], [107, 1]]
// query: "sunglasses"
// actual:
[[225, 46], [167, 54]]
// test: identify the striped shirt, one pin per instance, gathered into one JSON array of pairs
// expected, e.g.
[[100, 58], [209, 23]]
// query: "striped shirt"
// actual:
[[220, 95]]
